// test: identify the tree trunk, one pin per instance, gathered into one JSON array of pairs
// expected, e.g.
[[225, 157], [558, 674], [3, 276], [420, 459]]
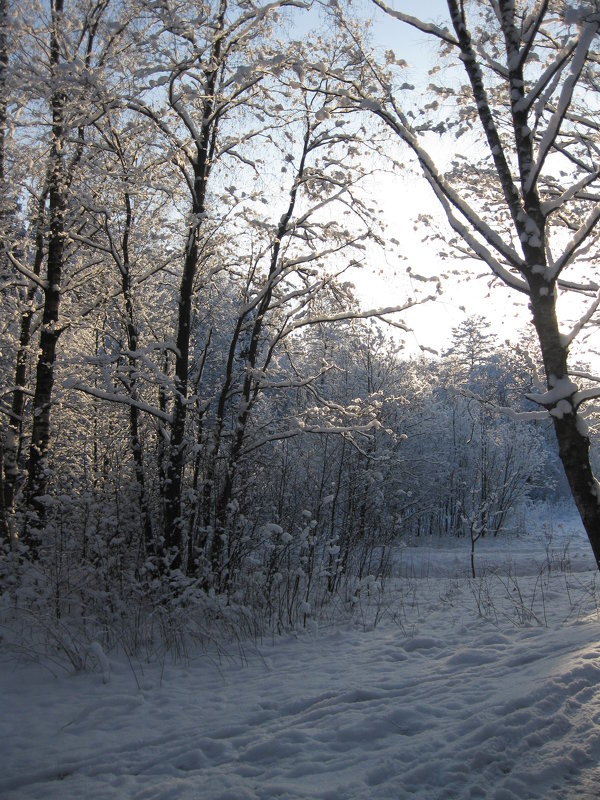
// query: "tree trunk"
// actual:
[[5, 528], [13, 435], [174, 523], [42, 400], [250, 388], [573, 441], [3, 117], [535, 140], [175, 527], [574, 449], [134, 413]]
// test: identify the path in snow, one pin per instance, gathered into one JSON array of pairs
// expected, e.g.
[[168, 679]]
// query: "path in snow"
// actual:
[[446, 705]]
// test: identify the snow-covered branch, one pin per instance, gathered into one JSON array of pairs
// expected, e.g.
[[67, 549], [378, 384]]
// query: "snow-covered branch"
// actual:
[[26, 272], [568, 194], [479, 250], [454, 197], [302, 428], [425, 27], [297, 383], [530, 28], [559, 399], [348, 315], [580, 237], [505, 411], [115, 397], [568, 338], [549, 77], [583, 395], [549, 136]]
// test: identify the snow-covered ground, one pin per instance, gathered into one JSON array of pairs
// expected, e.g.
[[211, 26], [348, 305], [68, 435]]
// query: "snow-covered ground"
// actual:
[[553, 534], [463, 689]]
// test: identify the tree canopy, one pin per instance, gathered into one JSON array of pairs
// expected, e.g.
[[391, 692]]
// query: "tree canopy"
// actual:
[[193, 403]]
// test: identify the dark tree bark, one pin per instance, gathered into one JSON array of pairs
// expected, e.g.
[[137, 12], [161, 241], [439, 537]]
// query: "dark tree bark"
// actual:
[[573, 441], [134, 412], [50, 332], [13, 438], [60, 174], [174, 523], [5, 528], [132, 345], [3, 117]]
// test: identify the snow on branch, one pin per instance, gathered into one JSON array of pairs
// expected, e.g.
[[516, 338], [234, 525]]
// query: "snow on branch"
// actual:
[[506, 411], [588, 376], [27, 273], [567, 338], [347, 315], [302, 428], [184, 115], [546, 83], [559, 400], [6, 409], [494, 65], [245, 24], [584, 288], [424, 27], [530, 28], [479, 249], [566, 95], [263, 383], [472, 66], [522, 416], [114, 397], [584, 395], [395, 323], [133, 104], [443, 188], [561, 199], [581, 235]]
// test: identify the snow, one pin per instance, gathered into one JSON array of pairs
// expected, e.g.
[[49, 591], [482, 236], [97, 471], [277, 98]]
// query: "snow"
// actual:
[[562, 409], [562, 388], [565, 98], [484, 688]]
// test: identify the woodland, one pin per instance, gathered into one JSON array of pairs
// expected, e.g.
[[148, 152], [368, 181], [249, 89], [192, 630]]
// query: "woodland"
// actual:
[[201, 428]]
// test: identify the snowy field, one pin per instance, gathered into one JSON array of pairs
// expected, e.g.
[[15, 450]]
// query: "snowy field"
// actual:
[[485, 688]]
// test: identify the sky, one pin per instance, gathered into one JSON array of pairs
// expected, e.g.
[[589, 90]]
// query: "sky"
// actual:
[[384, 281], [468, 287], [405, 198]]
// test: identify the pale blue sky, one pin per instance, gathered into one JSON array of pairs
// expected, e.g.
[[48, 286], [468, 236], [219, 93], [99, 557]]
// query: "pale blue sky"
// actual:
[[404, 196]]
